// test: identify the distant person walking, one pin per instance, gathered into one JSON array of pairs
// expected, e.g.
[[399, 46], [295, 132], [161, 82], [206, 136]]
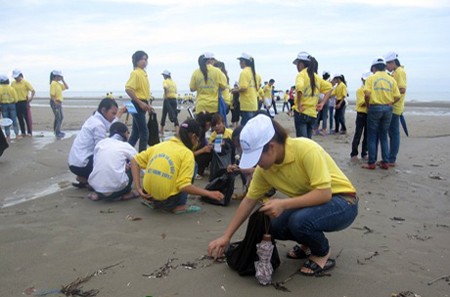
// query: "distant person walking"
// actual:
[[340, 91], [57, 86], [248, 88], [361, 121], [25, 94], [170, 102], [138, 89], [8, 99]]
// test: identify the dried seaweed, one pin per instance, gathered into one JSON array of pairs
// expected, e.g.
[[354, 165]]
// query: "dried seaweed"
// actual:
[[162, 271]]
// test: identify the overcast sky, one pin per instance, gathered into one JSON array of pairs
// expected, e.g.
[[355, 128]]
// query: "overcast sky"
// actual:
[[92, 41]]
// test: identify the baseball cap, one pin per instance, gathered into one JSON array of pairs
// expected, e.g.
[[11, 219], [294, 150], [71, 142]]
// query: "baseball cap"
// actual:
[[366, 75], [16, 73], [254, 136], [166, 72], [208, 55], [391, 56], [3, 77], [379, 60], [57, 72], [302, 56], [245, 57]]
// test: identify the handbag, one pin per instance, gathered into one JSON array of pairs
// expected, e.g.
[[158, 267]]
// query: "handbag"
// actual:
[[153, 131], [241, 255]]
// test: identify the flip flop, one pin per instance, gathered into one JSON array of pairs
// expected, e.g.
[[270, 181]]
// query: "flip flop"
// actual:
[[147, 203], [80, 185], [134, 195], [316, 269], [189, 209], [298, 253]]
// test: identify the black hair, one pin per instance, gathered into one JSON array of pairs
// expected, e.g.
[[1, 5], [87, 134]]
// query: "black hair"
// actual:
[[203, 118], [397, 63], [203, 69], [217, 118], [251, 64], [118, 128], [311, 68], [106, 104], [221, 66], [4, 82], [379, 67], [52, 77], [280, 135], [326, 76], [271, 80], [138, 56], [187, 128]]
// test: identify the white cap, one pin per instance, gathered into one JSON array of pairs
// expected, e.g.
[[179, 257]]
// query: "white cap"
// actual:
[[256, 133], [303, 56], [366, 75], [3, 77], [166, 72], [379, 60], [57, 72], [245, 57], [16, 73], [391, 56], [325, 72], [208, 55]]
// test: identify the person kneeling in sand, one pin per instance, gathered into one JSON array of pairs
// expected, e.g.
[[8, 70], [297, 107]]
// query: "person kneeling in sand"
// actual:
[[111, 177], [321, 198], [169, 171]]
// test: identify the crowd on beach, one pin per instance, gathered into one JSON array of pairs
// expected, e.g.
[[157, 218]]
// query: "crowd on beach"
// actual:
[[104, 157]]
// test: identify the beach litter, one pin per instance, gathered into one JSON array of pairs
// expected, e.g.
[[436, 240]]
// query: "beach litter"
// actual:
[[405, 294], [131, 218], [442, 277]]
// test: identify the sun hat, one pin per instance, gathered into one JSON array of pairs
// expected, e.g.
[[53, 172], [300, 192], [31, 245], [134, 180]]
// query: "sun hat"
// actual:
[[3, 77], [16, 73], [254, 136], [391, 56], [57, 72], [366, 75], [302, 56], [166, 72], [208, 55], [379, 60], [245, 56]]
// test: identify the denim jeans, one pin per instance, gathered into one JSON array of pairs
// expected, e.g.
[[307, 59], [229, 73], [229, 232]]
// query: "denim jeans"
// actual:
[[171, 202], [339, 117], [9, 111], [394, 138], [57, 111], [378, 122], [360, 128], [303, 124], [246, 115], [330, 116], [139, 129], [307, 225]]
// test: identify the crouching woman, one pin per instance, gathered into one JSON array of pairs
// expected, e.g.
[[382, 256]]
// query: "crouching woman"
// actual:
[[169, 171]]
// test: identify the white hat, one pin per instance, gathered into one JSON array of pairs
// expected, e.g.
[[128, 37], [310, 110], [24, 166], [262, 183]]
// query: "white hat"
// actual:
[[303, 56], [379, 60], [256, 133], [208, 55], [325, 72], [166, 72], [3, 77], [57, 72], [16, 73], [391, 56], [366, 75], [245, 57]]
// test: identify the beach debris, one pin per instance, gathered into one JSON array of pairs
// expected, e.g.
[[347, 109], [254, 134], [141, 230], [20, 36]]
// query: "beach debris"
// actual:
[[405, 294], [418, 237], [417, 165], [442, 277], [433, 165], [437, 177], [131, 218], [162, 271], [29, 291], [362, 262], [442, 226], [163, 235], [189, 265], [107, 211], [368, 230], [398, 219], [263, 267], [223, 288]]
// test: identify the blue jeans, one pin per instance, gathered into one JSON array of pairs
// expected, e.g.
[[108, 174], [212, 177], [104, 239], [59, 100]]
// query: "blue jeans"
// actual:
[[394, 137], [330, 116], [303, 124], [307, 225], [171, 202], [9, 111], [57, 111], [339, 117], [139, 129], [378, 122], [246, 115]]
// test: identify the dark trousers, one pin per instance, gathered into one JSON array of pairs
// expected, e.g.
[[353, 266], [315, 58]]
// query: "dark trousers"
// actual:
[[339, 118], [169, 108], [360, 128], [22, 114]]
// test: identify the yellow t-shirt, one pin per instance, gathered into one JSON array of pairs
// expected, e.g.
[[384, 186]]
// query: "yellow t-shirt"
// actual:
[[306, 166], [226, 135], [303, 89], [360, 105], [382, 88], [138, 82], [22, 89], [268, 91], [340, 92], [56, 90], [7, 94], [227, 95], [208, 92], [400, 77], [169, 167], [286, 97], [171, 88], [249, 98]]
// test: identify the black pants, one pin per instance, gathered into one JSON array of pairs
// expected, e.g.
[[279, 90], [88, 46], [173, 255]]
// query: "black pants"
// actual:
[[169, 108], [361, 127], [22, 114], [274, 104], [203, 161], [339, 117]]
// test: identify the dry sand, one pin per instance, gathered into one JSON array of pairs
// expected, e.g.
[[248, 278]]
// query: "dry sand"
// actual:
[[399, 242]]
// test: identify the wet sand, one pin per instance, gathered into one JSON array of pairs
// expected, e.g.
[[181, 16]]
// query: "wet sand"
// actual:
[[399, 242]]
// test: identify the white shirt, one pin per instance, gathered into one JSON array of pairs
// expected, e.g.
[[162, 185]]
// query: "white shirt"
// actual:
[[110, 158], [93, 130]]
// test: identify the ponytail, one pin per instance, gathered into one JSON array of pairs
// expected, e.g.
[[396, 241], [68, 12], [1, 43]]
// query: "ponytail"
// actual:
[[51, 77], [187, 128], [203, 69], [252, 65], [312, 70]]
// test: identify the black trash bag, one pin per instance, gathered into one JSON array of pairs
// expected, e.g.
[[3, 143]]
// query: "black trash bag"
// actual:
[[241, 255], [153, 131], [3, 142], [223, 183], [220, 161]]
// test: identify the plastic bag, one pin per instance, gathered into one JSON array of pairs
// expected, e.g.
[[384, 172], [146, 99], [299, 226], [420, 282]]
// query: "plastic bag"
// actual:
[[153, 132]]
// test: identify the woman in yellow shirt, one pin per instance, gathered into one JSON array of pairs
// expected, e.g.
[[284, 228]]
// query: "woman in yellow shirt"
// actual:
[[8, 99], [25, 94], [248, 88], [340, 92], [57, 86], [169, 169], [322, 199]]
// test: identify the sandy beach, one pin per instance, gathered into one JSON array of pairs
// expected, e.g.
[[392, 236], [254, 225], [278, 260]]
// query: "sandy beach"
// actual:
[[399, 242]]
